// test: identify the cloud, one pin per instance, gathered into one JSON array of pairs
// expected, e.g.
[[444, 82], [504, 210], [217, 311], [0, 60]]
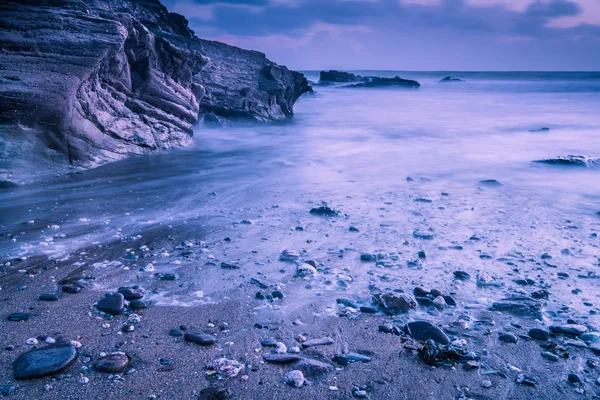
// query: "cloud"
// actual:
[[361, 25]]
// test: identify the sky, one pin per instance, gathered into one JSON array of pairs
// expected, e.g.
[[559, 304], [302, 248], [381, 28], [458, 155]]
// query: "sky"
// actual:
[[438, 35]]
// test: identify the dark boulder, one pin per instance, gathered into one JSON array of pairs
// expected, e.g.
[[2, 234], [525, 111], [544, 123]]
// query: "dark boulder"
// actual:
[[46, 361], [423, 330], [113, 304]]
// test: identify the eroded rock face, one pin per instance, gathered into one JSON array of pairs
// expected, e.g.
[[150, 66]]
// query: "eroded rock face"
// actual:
[[85, 82]]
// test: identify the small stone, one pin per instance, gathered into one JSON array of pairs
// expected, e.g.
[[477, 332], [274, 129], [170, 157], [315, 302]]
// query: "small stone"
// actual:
[[131, 293], [270, 342], [18, 317], [289, 255], [394, 303], [281, 358], [486, 384], [569, 329], [72, 289], [471, 365], [112, 363], [175, 332], [45, 361], [31, 341], [226, 368], [423, 330], [324, 211], [6, 390], [550, 356], [353, 229], [523, 379], [368, 257], [201, 338], [229, 266], [113, 304], [538, 334], [48, 297], [137, 304], [368, 309], [574, 379], [280, 348], [508, 338], [462, 275], [213, 393], [294, 378], [277, 294], [318, 342], [305, 270]]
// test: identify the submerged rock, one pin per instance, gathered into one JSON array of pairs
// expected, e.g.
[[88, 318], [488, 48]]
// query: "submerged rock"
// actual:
[[571, 161], [352, 80], [324, 211], [423, 330], [490, 182], [46, 361], [393, 303], [450, 79], [520, 306]]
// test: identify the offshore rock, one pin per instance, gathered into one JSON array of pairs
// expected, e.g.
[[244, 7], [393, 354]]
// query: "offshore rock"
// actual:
[[352, 80]]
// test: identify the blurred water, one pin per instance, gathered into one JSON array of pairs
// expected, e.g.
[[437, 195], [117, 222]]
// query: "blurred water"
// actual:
[[353, 148]]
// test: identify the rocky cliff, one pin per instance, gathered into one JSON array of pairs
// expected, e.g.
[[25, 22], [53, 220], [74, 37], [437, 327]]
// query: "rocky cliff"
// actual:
[[85, 82]]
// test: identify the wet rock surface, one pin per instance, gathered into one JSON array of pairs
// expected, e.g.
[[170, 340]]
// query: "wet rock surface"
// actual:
[[112, 363], [112, 79], [45, 361]]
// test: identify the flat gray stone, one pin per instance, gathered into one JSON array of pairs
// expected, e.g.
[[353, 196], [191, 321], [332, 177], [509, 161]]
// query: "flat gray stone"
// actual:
[[48, 360], [201, 338]]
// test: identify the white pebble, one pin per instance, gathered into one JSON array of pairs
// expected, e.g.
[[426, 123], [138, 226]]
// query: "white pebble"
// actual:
[[31, 341]]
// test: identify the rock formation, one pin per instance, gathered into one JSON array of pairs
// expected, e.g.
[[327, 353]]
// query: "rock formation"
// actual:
[[85, 82], [352, 80], [450, 79]]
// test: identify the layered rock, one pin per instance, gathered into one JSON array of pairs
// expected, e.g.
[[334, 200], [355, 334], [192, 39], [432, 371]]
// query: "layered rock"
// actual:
[[84, 82]]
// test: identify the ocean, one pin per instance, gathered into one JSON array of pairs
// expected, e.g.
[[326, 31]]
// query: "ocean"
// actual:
[[392, 162]]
